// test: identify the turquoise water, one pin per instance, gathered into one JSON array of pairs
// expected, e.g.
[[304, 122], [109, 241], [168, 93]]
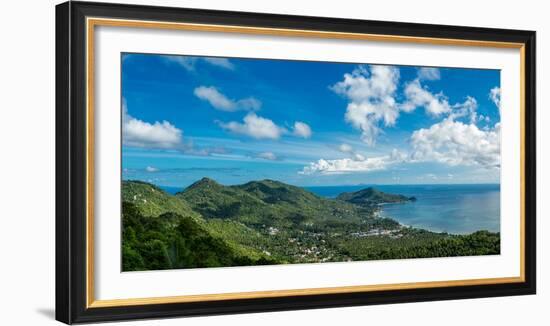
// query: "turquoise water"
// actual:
[[455, 209]]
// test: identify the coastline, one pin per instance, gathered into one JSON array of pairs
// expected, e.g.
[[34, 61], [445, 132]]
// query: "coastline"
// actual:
[[269, 222], [446, 223]]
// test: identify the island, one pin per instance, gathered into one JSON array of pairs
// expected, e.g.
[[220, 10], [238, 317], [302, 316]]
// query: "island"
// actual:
[[269, 222], [371, 196]]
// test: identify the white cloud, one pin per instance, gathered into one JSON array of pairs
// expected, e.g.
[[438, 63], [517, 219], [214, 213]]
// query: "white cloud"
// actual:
[[494, 95], [397, 156], [186, 62], [345, 165], [301, 129], [215, 98], [427, 73], [220, 62], [222, 102], [466, 109], [159, 135], [255, 127], [358, 157], [151, 169], [268, 156], [249, 104], [371, 99], [262, 128], [356, 163], [455, 143], [419, 96], [189, 63], [347, 149]]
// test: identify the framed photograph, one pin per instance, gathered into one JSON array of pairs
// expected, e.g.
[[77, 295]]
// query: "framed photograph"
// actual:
[[213, 162]]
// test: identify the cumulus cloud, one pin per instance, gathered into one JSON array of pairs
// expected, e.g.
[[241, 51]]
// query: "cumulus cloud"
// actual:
[[372, 100], [370, 93], [418, 96], [354, 164], [467, 109], [189, 63], [158, 135], [221, 102], [427, 73], [347, 149], [301, 129], [267, 156], [215, 98], [255, 126], [151, 169], [457, 140], [397, 156], [456, 143], [345, 165], [449, 142], [262, 128], [494, 95]]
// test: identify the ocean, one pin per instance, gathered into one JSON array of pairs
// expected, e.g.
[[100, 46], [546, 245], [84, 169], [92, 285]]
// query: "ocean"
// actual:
[[458, 209]]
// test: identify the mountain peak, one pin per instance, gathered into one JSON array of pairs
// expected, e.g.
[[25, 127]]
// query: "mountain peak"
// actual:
[[205, 182], [202, 184]]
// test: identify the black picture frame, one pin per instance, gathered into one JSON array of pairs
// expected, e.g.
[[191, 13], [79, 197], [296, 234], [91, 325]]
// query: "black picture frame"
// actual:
[[71, 157]]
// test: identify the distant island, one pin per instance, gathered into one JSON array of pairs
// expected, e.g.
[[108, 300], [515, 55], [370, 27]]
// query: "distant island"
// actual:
[[371, 196], [270, 222]]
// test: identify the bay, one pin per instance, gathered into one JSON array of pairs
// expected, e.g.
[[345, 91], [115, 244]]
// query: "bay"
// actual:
[[458, 209], [452, 208]]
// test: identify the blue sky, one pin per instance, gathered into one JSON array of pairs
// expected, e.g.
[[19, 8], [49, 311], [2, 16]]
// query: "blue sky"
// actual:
[[307, 123]]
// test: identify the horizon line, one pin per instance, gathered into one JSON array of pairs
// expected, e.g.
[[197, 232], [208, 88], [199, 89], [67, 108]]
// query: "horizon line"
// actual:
[[321, 186]]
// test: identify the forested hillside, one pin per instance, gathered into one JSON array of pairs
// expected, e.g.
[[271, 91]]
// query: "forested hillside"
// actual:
[[269, 222]]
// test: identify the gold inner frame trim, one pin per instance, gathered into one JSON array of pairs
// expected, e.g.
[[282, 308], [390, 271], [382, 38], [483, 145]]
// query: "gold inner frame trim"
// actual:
[[92, 22]]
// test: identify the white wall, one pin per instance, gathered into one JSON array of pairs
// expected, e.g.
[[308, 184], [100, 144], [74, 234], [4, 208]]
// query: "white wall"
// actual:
[[27, 161]]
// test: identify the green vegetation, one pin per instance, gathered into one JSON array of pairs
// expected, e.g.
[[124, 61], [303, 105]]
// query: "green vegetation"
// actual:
[[266, 202], [370, 196], [174, 241], [153, 201], [269, 222], [414, 243]]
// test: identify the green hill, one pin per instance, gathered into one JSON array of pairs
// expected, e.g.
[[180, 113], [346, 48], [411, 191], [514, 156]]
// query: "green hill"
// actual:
[[172, 241], [213, 200], [270, 222], [153, 201], [371, 196], [274, 192], [267, 202]]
